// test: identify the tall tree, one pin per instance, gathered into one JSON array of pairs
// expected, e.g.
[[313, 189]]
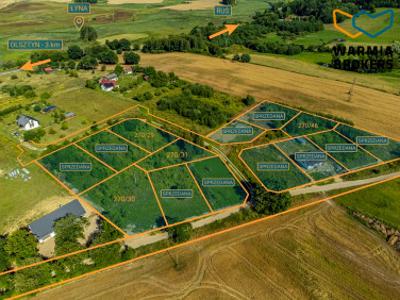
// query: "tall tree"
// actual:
[[68, 230], [21, 245], [88, 33]]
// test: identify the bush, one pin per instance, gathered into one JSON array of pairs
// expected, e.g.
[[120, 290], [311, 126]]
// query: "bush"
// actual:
[[269, 203], [245, 58], [249, 100], [180, 233], [131, 58], [34, 135]]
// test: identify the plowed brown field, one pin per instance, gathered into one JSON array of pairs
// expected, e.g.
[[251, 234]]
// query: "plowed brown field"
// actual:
[[317, 253], [371, 109]]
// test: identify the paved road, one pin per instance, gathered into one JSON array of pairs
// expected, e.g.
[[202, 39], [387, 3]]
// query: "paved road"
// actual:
[[340, 185]]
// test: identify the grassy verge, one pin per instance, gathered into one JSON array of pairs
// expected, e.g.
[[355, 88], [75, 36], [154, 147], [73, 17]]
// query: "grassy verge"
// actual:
[[381, 202]]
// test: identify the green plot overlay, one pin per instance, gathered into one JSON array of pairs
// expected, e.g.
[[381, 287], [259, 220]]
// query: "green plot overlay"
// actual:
[[128, 201], [318, 168], [217, 183], [116, 158], [307, 124], [269, 115], [349, 158], [276, 179], [388, 150], [236, 132], [75, 168], [143, 134], [176, 153], [178, 194]]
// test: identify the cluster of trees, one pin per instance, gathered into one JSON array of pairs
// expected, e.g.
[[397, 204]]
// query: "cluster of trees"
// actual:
[[86, 1], [89, 57], [88, 34], [34, 135], [194, 108], [20, 248], [159, 78], [372, 4], [10, 109], [19, 90], [319, 9], [180, 43], [122, 45], [250, 35], [267, 203], [230, 2]]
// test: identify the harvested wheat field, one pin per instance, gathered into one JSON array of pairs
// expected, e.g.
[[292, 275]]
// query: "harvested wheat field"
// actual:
[[370, 109], [315, 253], [194, 5]]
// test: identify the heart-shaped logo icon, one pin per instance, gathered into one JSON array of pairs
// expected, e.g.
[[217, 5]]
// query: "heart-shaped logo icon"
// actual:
[[341, 29], [373, 17]]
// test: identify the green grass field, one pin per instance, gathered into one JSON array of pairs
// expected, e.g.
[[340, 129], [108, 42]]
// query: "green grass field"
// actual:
[[277, 180], [48, 20], [143, 134], [24, 201], [218, 196], [117, 160], [307, 124], [316, 169], [76, 180], [267, 121], [352, 160], [236, 132], [128, 201], [178, 209], [381, 202], [176, 153]]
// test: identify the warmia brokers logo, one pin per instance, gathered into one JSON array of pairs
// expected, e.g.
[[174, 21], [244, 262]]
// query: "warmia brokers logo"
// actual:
[[364, 58]]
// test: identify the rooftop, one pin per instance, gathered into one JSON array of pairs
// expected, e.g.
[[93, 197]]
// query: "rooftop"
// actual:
[[44, 226]]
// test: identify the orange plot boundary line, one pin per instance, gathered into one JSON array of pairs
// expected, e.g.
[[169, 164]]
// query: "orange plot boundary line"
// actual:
[[215, 234]]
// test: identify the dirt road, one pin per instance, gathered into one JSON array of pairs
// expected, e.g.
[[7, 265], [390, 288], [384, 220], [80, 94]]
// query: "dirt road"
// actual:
[[340, 185], [316, 253], [369, 108]]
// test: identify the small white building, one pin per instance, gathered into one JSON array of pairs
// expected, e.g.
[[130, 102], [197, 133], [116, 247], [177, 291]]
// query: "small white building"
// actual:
[[27, 123]]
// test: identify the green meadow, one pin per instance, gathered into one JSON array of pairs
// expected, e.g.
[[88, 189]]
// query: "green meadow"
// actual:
[[381, 202], [50, 20]]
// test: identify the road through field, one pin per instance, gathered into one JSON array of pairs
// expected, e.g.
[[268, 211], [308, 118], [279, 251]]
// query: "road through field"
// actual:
[[371, 109], [316, 253], [340, 185]]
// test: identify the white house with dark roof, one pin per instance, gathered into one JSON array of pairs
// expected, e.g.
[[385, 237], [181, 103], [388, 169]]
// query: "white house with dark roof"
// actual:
[[43, 228], [27, 123]]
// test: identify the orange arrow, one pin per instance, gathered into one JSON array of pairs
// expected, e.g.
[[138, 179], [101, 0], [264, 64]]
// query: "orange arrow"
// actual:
[[229, 28], [29, 65]]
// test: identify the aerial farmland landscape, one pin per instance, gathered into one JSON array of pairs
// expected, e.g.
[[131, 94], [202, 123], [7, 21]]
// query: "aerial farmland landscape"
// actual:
[[219, 149]]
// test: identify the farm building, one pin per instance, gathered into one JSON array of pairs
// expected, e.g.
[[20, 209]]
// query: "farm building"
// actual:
[[27, 123], [128, 70], [111, 76], [49, 108], [69, 115], [48, 70], [43, 228], [108, 85]]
